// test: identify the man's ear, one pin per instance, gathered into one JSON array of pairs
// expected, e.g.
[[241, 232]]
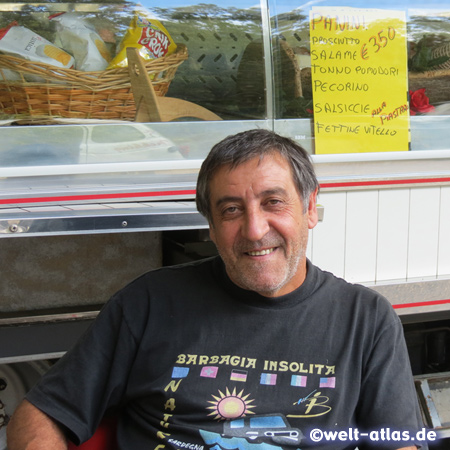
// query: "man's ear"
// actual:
[[312, 214]]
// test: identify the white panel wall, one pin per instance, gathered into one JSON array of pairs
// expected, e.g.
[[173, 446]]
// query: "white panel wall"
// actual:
[[423, 232], [444, 233], [392, 242], [328, 237], [361, 235], [309, 248], [384, 235]]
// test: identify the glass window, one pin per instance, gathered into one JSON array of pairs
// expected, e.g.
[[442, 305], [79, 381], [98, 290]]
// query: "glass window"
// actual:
[[64, 68], [427, 53], [68, 95], [70, 61]]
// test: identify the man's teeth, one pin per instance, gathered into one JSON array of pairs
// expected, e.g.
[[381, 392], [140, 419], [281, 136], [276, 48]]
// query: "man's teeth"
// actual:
[[262, 252]]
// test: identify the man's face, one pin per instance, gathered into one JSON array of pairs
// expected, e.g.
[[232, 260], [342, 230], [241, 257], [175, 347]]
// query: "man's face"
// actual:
[[259, 227]]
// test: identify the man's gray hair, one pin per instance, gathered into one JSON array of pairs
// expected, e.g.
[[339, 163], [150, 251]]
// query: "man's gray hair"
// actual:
[[242, 147]]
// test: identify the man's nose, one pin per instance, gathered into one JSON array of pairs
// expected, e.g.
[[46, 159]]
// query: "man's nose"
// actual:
[[255, 225]]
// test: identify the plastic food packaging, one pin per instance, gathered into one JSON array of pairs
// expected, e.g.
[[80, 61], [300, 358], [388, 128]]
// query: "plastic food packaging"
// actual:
[[22, 42], [146, 34], [80, 39]]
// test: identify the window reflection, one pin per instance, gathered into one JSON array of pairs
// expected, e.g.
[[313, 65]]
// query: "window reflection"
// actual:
[[227, 68], [428, 55], [222, 70]]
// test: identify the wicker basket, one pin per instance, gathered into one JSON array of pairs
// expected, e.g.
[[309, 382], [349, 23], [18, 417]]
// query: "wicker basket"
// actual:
[[75, 94]]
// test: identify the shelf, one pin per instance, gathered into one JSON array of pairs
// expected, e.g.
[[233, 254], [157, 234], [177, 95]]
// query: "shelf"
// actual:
[[99, 218]]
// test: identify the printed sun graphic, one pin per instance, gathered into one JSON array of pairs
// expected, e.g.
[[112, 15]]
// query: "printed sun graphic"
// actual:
[[230, 405]]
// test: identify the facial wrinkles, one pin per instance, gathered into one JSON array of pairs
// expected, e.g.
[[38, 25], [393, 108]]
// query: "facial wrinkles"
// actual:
[[249, 280], [264, 277], [264, 244], [270, 240]]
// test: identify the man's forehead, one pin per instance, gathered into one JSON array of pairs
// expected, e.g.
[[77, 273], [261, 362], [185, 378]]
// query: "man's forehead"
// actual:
[[277, 175], [271, 157]]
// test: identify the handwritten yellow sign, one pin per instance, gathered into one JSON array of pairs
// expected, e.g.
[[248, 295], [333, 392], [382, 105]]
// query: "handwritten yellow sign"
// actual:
[[359, 76]]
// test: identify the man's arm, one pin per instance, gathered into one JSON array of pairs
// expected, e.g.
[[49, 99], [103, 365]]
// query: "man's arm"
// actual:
[[31, 429]]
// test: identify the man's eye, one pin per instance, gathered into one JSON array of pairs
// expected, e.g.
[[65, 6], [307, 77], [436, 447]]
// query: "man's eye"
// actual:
[[230, 210]]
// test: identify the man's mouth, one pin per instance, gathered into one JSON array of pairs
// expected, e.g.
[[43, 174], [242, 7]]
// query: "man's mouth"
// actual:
[[266, 251]]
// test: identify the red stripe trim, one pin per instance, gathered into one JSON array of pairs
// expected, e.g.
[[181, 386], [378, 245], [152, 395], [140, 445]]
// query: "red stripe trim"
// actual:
[[121, 195], [385, 182], [96, 197], [417, 304]]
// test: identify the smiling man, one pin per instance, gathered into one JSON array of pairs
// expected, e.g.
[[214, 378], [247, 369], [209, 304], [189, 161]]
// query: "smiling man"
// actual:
[[255, 348], [259, 225]]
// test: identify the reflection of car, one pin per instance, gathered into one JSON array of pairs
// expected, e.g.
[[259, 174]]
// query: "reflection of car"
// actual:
[[273, 426], [125, 142], [85, 142], [38, 154]]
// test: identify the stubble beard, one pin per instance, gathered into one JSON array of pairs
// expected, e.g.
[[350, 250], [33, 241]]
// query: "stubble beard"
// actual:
[[252, 275]]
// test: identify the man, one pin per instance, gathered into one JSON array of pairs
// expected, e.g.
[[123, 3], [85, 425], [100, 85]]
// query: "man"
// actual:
[[255, 349]]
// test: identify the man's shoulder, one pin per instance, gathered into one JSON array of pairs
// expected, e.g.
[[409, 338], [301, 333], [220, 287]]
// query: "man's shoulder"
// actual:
[[330, 280], [182, 271], [353, 294], [174, 277], [159, 290]]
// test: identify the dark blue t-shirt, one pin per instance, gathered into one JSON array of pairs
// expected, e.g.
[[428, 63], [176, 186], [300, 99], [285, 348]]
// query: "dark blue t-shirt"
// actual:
[[188, 360]]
